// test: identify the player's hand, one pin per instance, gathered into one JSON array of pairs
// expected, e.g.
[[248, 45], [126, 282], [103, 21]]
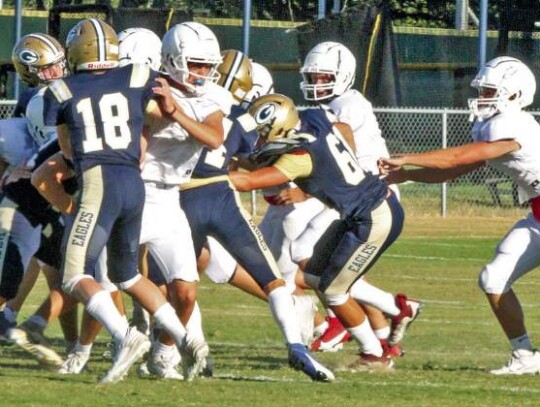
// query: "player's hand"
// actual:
[[291, 196], [387, 165], [166, 100]]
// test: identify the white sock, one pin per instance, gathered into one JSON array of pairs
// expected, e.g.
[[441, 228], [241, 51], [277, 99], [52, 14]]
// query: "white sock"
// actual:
[[159, 348], [80, 348], [194, 325], [366, 293], [382, 333], [364, 335], [282, 308], [165, 317], [102, 308], [521, 342]]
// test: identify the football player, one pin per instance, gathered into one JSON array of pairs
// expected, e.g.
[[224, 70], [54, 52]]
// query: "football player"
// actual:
[[320, 159], [328, 74], [99, 114], [223, 217], [38, 59], [190, 55], [507, 138]]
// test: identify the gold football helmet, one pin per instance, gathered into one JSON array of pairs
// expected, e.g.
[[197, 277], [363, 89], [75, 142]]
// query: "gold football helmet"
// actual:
[[235, 74], [34, 55], [92, 45], [275, 115]]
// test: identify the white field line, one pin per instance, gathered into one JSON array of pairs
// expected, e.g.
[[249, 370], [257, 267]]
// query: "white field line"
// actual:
[[437, 258]]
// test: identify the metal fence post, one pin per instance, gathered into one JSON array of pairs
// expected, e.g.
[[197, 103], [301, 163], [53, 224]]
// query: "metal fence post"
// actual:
[[444, 189]]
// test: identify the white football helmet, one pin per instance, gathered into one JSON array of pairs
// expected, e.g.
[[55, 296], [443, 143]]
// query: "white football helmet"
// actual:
[[263, 84], [330, 58], [507, 83], [139, 46], [190, 42], [35, 121]]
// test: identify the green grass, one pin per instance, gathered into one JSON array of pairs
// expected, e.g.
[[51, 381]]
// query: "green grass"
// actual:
[[448, 350]]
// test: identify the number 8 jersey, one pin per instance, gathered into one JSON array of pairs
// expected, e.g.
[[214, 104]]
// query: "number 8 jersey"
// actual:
[[104, 114]]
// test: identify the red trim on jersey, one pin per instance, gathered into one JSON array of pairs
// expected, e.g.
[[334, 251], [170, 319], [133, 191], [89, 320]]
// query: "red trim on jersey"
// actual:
[[535, 206], [299, 152]]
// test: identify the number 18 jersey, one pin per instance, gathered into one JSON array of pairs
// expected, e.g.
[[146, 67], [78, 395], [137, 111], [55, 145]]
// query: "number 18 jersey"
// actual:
[[104, 114]]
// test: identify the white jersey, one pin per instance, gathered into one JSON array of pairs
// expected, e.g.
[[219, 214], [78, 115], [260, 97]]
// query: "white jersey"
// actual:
[[523, 165], [355, 110], [16, 144], [171, 153]]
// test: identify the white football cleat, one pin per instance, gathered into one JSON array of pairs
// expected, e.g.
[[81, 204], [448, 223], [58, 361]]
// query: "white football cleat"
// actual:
[[33, 342], [75, 362], [522, 362], [163, 367], [132, 348], [194, 354]]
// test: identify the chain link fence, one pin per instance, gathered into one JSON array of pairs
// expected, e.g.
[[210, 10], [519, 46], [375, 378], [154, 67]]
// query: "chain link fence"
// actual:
[[6, 108], [485, 192]]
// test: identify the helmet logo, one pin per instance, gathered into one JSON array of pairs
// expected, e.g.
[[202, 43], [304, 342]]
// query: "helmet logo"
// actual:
[[266, 113], [28, 57]]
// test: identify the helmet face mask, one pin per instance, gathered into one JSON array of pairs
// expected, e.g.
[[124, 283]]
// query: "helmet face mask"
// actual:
[[334, 60], [92, 45], [191, 55], [38, 59], [503, 84], [139, 46]]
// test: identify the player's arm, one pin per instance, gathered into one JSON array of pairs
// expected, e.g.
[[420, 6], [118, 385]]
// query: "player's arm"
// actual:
[[209, 132], [466, 154], [430, 175], [48, 180], [258, 179], [286, 168]]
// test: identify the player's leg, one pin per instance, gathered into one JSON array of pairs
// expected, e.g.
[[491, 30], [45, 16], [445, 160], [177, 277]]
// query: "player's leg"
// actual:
[[345, 252], [516, 254]]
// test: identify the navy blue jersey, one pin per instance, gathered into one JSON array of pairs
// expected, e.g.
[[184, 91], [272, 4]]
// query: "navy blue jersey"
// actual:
[[336, 178], [29, 201], [24, 99], [104, 114], [240, 139]]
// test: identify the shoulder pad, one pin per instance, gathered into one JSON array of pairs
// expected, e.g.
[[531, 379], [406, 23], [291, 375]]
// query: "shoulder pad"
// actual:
[[60, 90]]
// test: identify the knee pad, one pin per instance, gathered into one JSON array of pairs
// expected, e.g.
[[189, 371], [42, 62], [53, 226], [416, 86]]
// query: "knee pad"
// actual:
[[336, 299], [490, 281], [126, 285], [69, 285]]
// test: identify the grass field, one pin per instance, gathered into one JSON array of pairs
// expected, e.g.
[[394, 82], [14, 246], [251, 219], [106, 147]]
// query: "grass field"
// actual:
[[448, 350]]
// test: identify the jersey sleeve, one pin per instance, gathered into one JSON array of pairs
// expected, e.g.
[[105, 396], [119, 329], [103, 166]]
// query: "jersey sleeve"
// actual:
[[53, 98], [295, 165]]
